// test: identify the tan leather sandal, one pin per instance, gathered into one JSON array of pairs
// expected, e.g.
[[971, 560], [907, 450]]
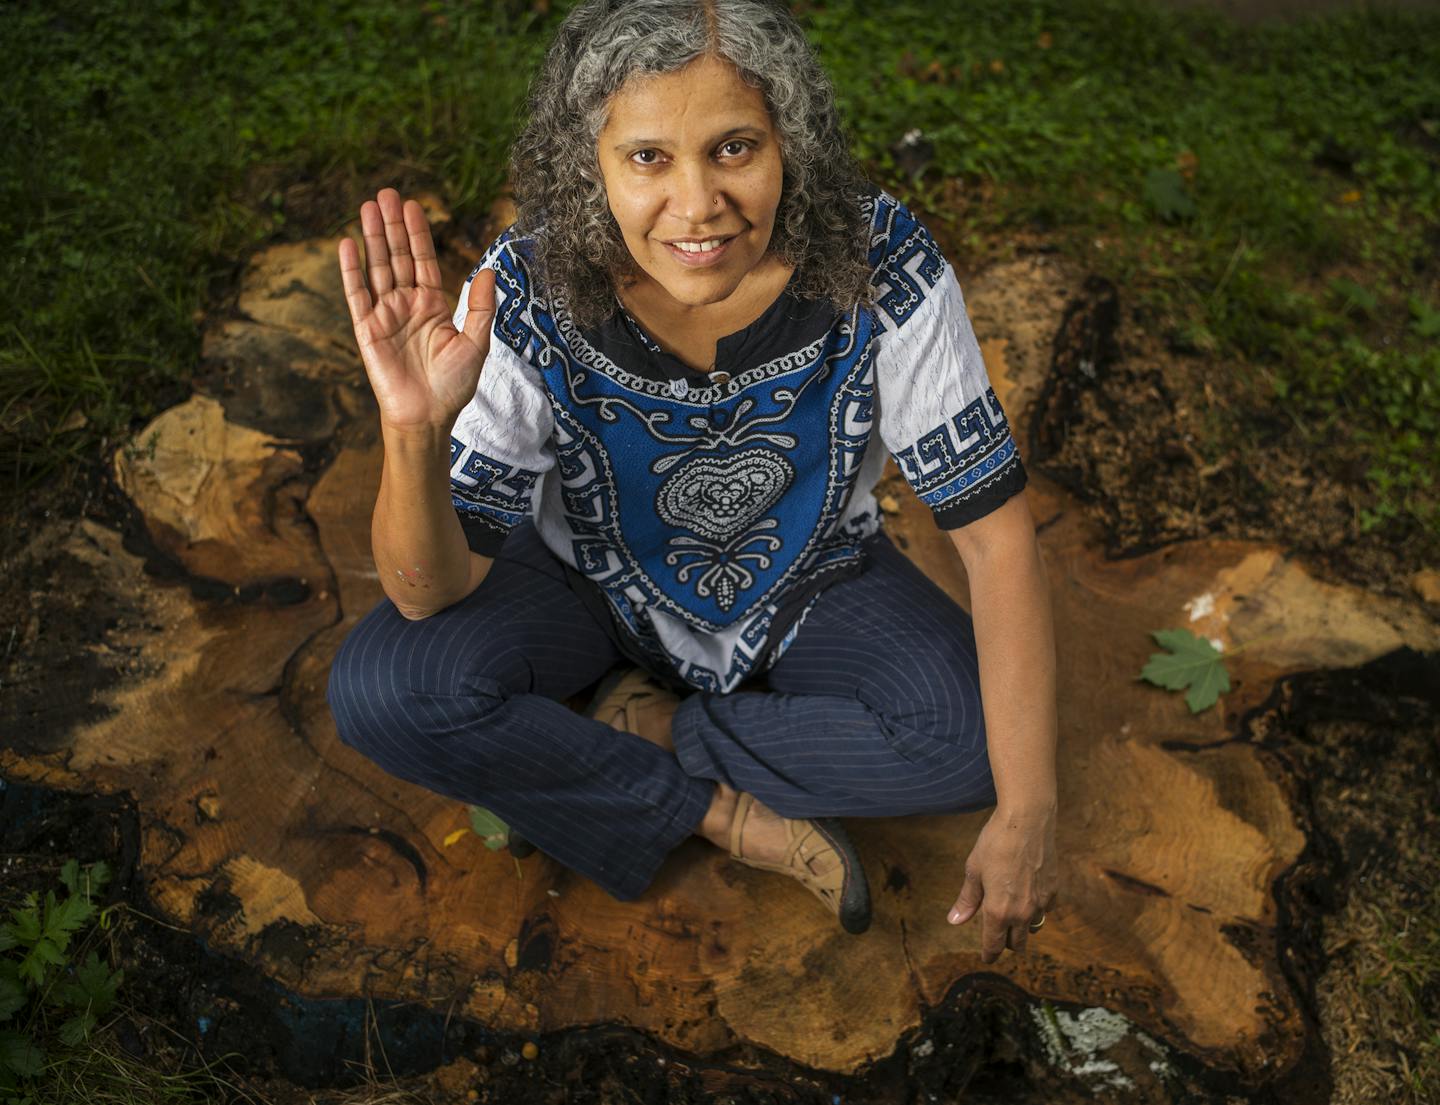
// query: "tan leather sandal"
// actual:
[[820, 855], [629, 699]]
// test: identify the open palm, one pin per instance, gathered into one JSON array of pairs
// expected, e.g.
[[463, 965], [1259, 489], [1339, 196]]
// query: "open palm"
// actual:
[[421, 368]]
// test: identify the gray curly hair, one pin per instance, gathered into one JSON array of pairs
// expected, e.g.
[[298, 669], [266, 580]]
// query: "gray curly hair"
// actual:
[[820, 226]]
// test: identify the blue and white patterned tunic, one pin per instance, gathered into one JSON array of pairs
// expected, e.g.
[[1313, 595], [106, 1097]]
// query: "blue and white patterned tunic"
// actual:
[[704, 514]]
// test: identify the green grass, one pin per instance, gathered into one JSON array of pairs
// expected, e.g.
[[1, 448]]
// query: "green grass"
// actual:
[[1233, 174], [1410, 947], [1227, 169], [149, 148]]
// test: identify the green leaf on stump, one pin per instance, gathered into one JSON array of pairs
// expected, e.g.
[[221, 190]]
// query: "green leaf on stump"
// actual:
[[1190, 662], [489, 828]]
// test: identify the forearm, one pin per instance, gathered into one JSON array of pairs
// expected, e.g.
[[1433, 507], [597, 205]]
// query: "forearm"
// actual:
[[1015, 638], [421, 556]]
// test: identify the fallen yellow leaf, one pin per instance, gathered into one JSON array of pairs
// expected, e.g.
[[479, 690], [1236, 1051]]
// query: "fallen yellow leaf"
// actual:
[[1352, 196], [451, 838]]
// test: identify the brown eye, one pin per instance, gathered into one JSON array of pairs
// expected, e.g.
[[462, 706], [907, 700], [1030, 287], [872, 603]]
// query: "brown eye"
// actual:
[[645, 157], [734, 147]]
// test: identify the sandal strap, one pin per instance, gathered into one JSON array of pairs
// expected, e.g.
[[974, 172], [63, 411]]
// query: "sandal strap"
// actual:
[[808, 846], [806, 843], [840, 885], [634, 704], [811, 845], [630, 691], [737, 823]]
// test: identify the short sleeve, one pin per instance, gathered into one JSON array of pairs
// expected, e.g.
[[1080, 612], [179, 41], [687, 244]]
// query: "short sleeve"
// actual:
[[501, 442], [939, 416]]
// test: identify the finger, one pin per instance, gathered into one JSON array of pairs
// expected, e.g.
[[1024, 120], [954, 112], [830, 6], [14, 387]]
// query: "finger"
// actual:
[[1016, 937], [480, 310], [401, 261], [377, 253], [422, 246], [971, 895], [992, 937], [357, 295]]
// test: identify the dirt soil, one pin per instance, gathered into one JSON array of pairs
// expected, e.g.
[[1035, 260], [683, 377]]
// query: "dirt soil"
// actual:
[[1166, 445], [1363, 746]]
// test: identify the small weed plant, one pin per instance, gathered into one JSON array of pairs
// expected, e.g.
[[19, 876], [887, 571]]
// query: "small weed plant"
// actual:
[[48, 993], [59, 999]]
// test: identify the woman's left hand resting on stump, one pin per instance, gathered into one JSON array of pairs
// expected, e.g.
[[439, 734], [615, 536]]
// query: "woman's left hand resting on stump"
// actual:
[[423, 371], [1012, 873]]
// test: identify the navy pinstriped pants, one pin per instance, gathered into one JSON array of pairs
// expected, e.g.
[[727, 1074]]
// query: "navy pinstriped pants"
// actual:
[[874, 711]]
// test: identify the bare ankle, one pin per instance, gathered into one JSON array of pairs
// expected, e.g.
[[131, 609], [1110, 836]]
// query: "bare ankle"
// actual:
[[715, 826]]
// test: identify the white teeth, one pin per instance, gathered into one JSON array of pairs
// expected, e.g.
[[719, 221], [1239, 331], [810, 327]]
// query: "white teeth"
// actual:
[[698, 247]]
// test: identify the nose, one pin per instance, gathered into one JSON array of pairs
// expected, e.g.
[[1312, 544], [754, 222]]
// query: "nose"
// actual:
[[696, 197]]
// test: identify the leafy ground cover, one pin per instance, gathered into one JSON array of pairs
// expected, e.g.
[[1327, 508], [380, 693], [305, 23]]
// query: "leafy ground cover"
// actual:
[[1268, 197], [151, 148]]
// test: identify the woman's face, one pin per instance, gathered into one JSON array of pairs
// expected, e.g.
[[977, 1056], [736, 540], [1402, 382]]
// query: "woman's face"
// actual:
[[692, 169]]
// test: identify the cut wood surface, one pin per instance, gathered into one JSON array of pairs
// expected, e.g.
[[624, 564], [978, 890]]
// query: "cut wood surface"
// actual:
[[277, 844]]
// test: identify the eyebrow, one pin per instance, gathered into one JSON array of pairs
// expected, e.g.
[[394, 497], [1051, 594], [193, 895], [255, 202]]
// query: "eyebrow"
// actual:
[[748, 130]]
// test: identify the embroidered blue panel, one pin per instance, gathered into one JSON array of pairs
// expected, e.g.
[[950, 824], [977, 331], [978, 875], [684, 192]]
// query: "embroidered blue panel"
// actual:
[[708, 504]]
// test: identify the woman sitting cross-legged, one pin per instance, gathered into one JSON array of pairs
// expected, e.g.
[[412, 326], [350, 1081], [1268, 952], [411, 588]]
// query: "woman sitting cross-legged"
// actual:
[[647, 437]]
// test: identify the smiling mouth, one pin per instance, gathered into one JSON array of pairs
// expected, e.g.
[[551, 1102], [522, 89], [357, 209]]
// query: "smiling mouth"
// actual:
[[699, 253], [699, 247]]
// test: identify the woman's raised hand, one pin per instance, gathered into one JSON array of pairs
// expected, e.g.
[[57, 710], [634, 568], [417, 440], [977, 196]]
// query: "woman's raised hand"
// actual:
[[423, 370]]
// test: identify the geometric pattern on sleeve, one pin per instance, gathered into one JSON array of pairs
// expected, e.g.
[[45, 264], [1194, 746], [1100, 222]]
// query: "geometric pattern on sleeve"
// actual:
[[939, 415], [489, 488], [906, 261], [959, 456]]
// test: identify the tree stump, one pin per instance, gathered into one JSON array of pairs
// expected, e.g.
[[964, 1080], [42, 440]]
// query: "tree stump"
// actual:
[[202, 695]]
